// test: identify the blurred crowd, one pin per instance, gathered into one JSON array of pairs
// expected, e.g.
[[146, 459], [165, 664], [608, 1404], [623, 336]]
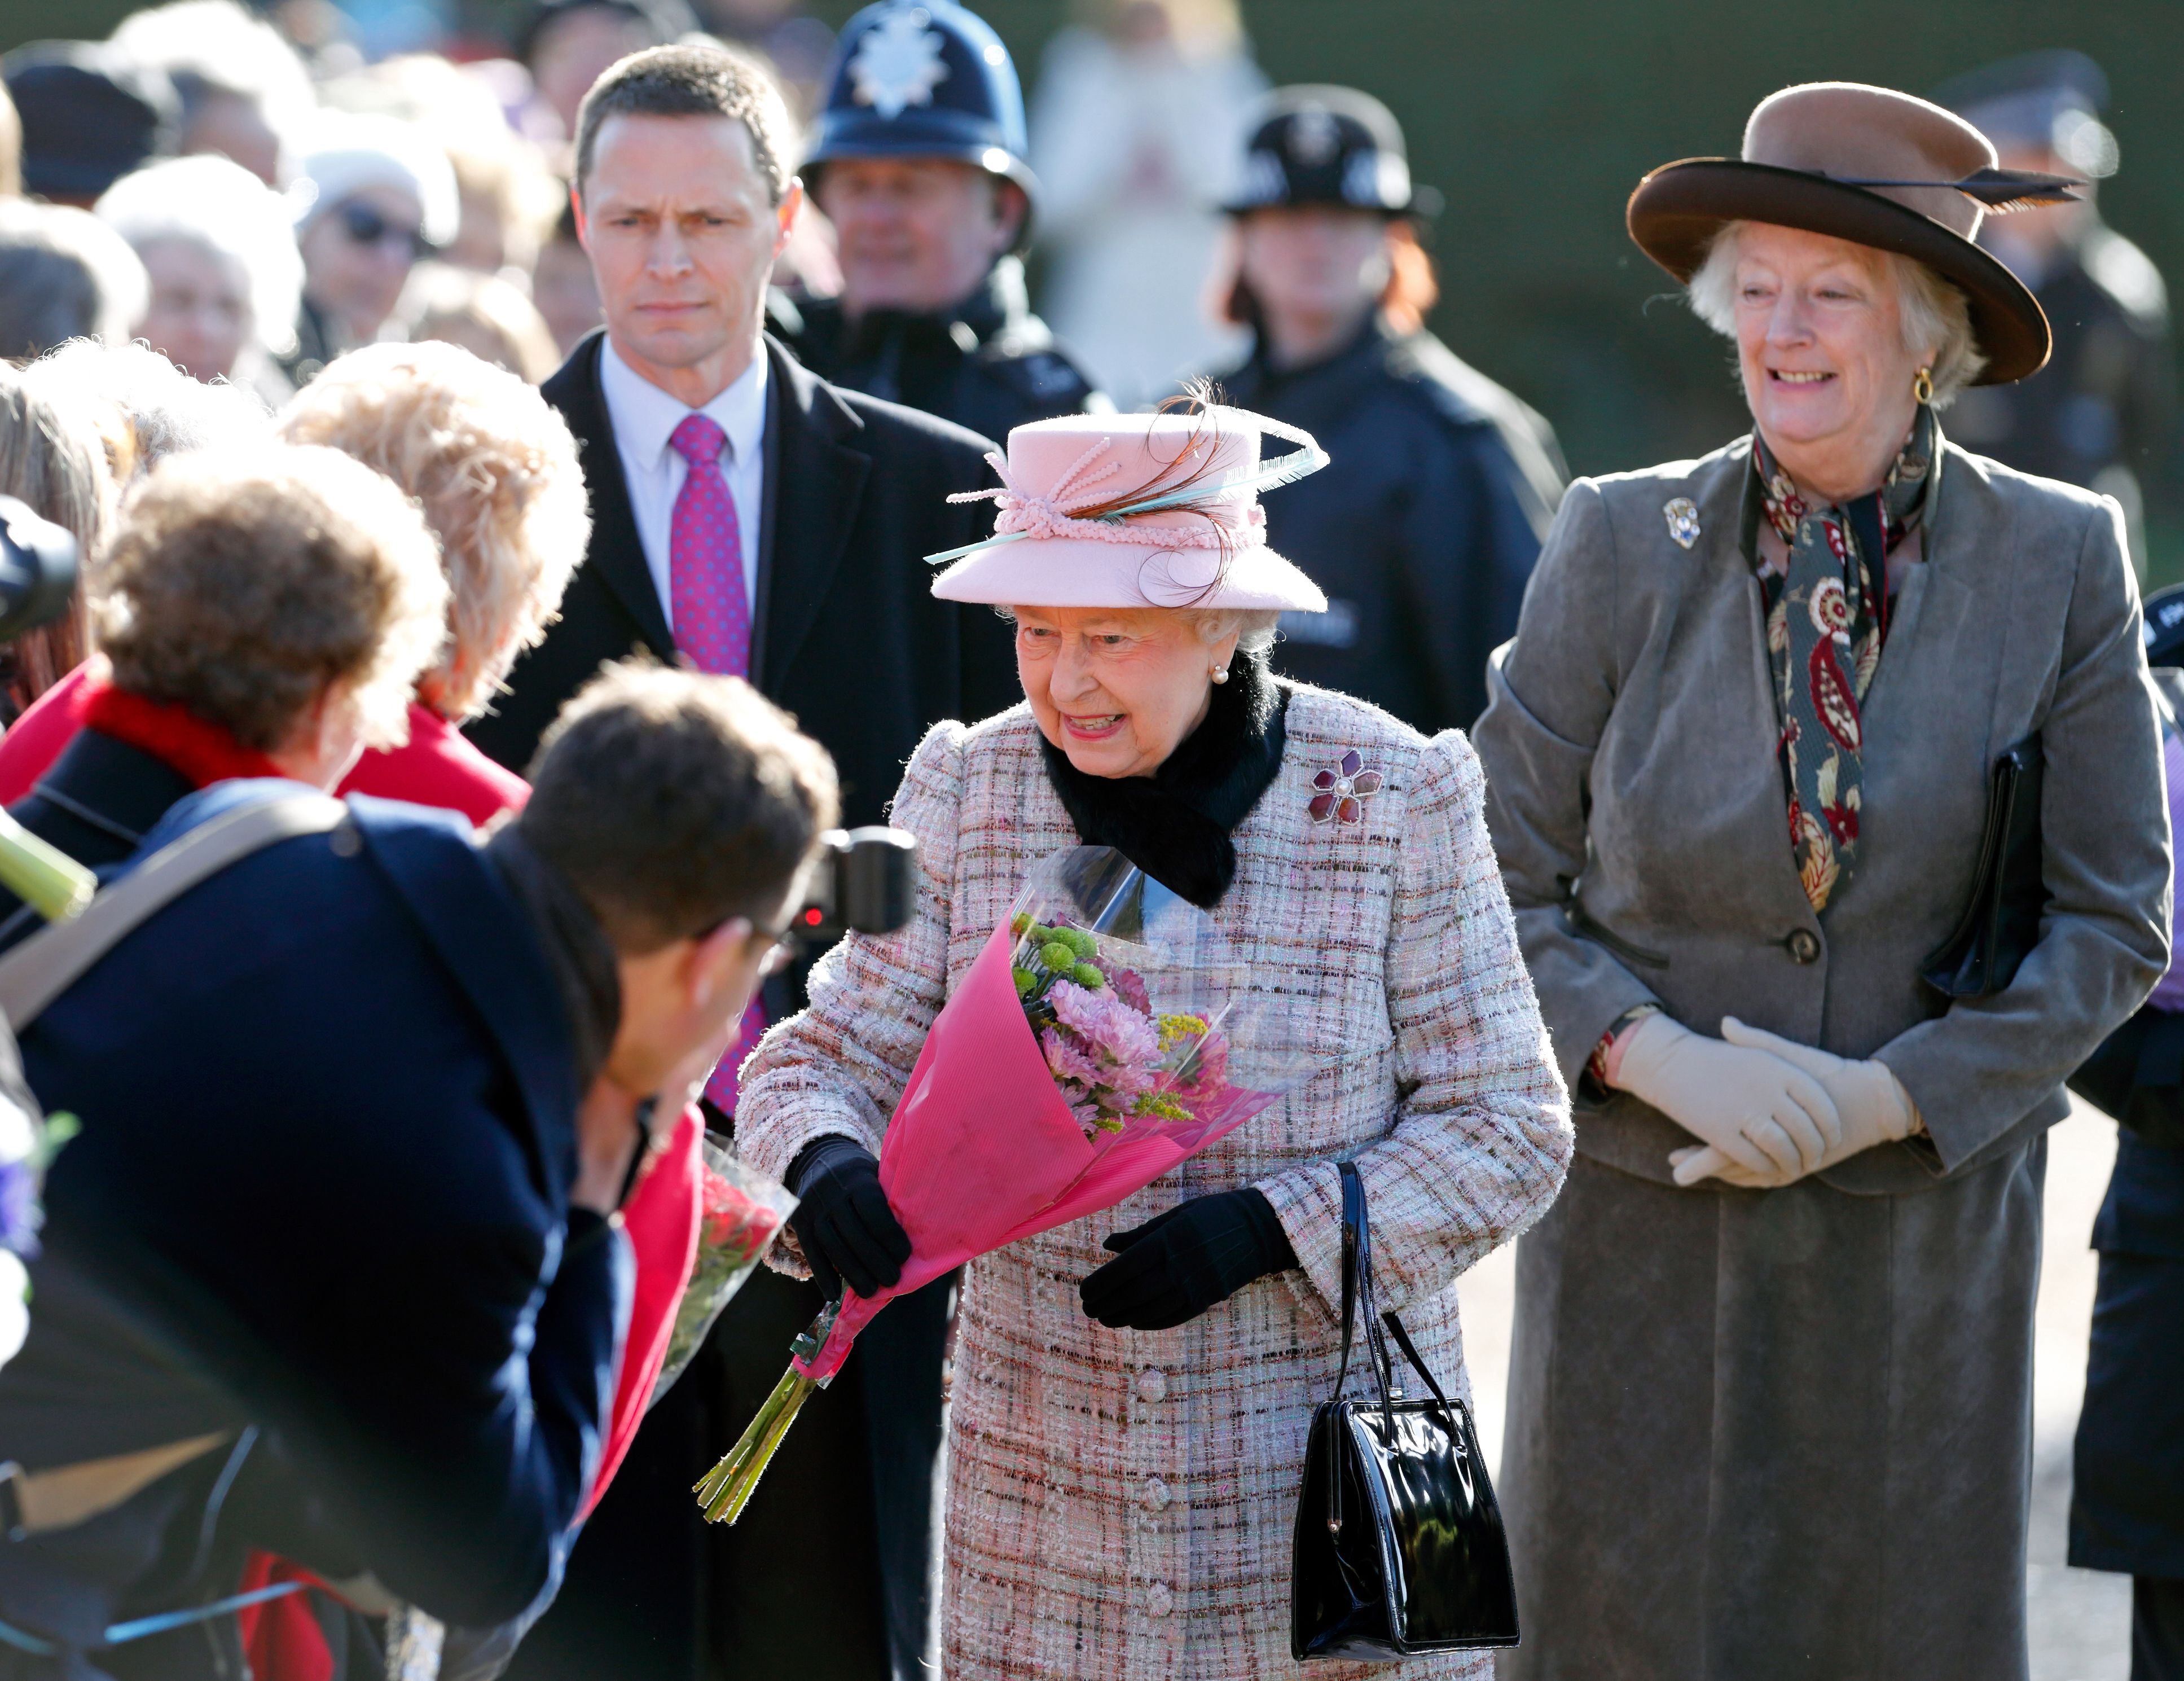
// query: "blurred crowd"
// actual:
[[243, 248]]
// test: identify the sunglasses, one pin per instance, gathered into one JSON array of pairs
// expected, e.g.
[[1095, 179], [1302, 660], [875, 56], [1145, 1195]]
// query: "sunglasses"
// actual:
[[365, 227]]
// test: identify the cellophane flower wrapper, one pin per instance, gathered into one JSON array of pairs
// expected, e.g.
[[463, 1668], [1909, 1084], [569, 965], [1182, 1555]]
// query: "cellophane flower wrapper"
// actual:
[[1004, 1131], [741, 1211]]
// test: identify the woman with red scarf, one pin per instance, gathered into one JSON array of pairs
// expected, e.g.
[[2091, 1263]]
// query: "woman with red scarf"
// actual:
[[495, 471]]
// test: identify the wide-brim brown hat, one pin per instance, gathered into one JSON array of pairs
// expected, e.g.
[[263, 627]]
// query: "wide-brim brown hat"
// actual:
[[1870, 166]]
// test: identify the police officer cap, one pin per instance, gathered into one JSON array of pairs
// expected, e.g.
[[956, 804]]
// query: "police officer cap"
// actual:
[[2053, 100], [1329, 146], [88, 119], [924, 79]]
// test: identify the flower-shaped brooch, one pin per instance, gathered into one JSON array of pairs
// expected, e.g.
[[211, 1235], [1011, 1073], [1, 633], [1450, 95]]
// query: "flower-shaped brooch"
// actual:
[[1344, 791]]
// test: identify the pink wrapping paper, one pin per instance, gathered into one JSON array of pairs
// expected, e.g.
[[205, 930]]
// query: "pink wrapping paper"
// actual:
[[981, 1151]]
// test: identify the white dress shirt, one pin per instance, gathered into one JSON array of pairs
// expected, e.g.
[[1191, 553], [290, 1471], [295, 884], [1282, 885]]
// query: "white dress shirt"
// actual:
[[644, 417]]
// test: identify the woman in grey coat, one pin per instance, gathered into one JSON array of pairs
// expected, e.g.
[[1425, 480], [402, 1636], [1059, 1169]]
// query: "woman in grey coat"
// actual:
[[1770, 1408]]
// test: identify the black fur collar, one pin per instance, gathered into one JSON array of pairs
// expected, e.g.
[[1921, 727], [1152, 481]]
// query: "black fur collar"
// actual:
[[1175, 823]]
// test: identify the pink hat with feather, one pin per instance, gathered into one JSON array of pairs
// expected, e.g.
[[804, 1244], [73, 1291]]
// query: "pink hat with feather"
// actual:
[[1136, 511]]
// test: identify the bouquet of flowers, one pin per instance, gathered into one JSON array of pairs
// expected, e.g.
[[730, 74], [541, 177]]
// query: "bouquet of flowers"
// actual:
[[740, 1210], [1104, 1034]]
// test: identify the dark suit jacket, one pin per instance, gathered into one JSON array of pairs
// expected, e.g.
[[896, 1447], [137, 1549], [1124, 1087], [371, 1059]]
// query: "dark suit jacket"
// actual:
[[328, 1101], [848, 636]]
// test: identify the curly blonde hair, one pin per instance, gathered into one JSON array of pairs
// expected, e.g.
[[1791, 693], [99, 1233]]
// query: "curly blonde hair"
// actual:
[[242, 584], [496, 470]]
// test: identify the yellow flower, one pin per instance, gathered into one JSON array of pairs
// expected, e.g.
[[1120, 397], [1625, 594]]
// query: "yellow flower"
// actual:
[[1175, 1027]]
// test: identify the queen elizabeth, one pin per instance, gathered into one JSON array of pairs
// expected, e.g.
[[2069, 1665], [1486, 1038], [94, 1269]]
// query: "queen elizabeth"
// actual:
[[1132, 1392]]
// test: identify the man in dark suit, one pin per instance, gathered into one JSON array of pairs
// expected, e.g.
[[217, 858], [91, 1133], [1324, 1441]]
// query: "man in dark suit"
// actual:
[[357, 1113], [837, 498], [750, 518]]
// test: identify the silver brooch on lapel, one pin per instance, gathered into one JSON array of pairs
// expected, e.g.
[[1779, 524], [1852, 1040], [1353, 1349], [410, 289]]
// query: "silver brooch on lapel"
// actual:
[[1682, 515]]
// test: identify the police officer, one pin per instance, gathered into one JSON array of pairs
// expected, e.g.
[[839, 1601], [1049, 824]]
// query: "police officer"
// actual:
[[1425, 539], [2127, 1488], [2098, 414], [918, 158]]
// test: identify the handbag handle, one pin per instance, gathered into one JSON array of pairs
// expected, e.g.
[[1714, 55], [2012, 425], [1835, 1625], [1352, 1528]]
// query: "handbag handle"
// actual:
[[1356, 1286], [1356, 1281]]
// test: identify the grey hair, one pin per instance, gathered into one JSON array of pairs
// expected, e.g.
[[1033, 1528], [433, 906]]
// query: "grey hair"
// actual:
[[1254, 626], [1933, 311], [219, 207], [167, 413], [65, 274]]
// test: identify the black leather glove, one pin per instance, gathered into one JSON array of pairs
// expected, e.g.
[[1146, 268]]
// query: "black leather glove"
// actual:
[[1172, 1267], [847, 1232]]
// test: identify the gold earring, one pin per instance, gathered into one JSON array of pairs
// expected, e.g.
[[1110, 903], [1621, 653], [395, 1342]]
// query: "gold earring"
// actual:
[[1220, 674], [1922, 387]]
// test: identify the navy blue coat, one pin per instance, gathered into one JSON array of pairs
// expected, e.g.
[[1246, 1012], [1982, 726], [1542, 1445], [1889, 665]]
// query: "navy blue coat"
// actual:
[[2128, 1492], [1423, 530], [328, 1101]]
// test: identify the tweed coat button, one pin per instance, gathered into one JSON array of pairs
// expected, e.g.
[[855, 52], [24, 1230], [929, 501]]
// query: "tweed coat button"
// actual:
[[1155, 1495], [1159, 1600], [1804, 945], [1152, 1384]]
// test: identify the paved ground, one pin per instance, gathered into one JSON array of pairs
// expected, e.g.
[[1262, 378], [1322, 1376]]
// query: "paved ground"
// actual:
[[2079, 1619]]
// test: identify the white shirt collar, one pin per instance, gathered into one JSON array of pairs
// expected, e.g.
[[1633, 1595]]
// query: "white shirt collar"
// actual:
[[644, 417]]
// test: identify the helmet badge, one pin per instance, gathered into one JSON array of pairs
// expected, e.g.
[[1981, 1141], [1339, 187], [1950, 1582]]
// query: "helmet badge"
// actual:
[[1314, 136], [898, 64]]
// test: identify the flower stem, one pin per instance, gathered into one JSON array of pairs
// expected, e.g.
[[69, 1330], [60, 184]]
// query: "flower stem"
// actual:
[[726, 1489], [41, 874]]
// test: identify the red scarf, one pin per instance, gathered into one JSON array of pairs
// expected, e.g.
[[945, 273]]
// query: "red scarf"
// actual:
[[204, 752]]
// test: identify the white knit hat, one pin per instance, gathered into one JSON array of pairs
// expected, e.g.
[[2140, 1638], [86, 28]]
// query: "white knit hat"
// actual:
[[346, 151]]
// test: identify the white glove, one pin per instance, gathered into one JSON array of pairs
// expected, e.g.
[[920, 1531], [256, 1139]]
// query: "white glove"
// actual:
[[1754, 1109], [1871, 1101]]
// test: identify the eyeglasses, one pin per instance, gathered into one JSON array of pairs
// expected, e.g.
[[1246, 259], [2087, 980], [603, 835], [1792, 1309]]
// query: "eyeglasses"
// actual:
[[780, 947], [365, 227]]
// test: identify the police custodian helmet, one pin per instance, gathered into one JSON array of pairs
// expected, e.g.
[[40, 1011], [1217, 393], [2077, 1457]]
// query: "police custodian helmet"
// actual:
[[924, 79], [1330, 146]]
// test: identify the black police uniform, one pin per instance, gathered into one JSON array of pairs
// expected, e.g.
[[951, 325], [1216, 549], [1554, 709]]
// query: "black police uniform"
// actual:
[[2127, 1494], [988, 363], [1425, 536], [2106, 398], [2100, 413]]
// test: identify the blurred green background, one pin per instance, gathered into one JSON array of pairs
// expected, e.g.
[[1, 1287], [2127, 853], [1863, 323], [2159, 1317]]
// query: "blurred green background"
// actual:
[[1536, 120]]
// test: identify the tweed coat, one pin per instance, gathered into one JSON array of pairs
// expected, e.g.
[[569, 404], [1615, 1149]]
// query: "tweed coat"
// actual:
[[1120, 1502], [1788, 1432]]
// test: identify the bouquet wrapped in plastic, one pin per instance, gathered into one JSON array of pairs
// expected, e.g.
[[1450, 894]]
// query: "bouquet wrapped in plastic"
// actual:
[[1105, 1034], [740, 1212]]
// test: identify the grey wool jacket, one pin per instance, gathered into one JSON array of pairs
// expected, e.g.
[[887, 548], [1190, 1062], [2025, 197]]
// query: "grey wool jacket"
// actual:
[[1637, 803]]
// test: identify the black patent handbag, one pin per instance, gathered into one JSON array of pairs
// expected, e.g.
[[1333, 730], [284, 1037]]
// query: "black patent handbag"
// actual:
[[1399, 1547]]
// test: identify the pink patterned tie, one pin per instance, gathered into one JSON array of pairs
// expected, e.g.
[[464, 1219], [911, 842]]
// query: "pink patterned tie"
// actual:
[[706, 600], [712, 620]]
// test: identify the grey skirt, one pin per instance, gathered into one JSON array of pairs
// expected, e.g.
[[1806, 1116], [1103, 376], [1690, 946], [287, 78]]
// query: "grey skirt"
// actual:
[[1773, 1434]]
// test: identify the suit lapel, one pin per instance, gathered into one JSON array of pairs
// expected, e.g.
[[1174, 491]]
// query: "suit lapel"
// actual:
[[815, 485], [615, 554]]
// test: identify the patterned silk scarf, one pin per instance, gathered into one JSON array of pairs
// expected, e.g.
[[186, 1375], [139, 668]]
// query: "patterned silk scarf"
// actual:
[[1827, 618]]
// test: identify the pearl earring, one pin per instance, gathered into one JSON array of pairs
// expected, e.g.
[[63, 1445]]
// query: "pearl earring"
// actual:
[[1220, 674]]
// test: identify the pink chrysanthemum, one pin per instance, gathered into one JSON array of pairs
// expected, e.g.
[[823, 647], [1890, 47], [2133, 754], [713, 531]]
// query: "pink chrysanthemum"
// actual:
[[1118, 1033]]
